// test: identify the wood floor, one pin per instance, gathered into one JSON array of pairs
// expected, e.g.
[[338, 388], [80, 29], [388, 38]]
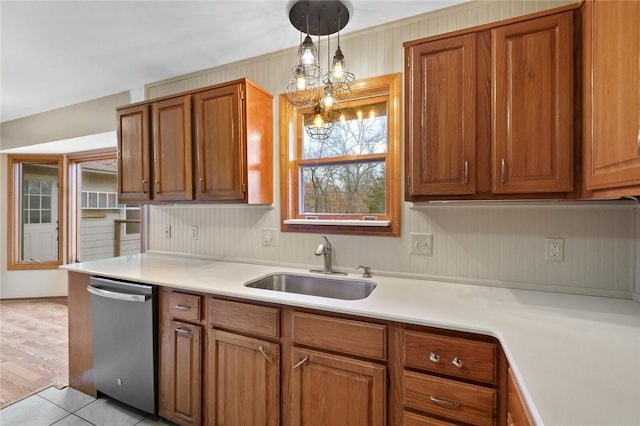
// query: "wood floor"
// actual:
[[34, 350]]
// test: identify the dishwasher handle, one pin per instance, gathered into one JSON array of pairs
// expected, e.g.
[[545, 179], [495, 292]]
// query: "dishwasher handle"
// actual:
[[128, 297]]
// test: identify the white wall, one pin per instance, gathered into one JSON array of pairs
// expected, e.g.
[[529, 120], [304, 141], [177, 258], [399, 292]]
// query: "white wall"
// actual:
[[499, 245]]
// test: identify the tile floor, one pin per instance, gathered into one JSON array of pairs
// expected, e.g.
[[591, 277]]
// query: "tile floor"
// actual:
[[68, 407]]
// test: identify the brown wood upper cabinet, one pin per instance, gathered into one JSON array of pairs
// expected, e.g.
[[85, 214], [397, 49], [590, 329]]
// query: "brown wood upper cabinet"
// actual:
[[212, 144], [490, 111], [612, 97]]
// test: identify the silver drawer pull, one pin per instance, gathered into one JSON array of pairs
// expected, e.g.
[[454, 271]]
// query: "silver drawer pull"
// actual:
[[457, 362], [264, 354], [444, 402], [466, 172], [185, 331], [182, 307], [503, 166], [434, 357], [302, 361]]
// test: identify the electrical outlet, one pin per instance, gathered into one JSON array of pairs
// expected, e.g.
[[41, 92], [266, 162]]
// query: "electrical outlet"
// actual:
[[194, 232], [167, 232], [421, 244], [555, 249], [269, 237]]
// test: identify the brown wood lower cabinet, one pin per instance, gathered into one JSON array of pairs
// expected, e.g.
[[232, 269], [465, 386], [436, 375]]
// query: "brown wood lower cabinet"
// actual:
[[517, 411], [449, 398], [181, 373], [237, 362], [335, 390], [243, 376]]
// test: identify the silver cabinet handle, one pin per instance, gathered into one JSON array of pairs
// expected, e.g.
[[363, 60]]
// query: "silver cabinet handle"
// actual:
[[127, 297], [434, 357], [182, 307], [202, 187], [638, 144], [457, 362], [302, 361], [264, 354], [444, 402], [182, 330], [466, 172], [158, 187], [502, 167], [144, 186]]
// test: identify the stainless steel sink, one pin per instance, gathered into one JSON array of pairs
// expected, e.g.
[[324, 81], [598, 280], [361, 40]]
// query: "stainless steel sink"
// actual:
[[334, 288]]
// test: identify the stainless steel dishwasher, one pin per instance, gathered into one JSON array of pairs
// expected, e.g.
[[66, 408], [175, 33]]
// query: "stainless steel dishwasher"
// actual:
[[125, 341]]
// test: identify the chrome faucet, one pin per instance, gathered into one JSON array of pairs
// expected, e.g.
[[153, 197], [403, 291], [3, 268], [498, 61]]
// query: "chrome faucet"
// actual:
[[325, 250]]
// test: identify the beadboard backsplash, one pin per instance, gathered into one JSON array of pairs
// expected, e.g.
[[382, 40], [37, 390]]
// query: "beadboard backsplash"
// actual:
[[481, 244], [487, 244]]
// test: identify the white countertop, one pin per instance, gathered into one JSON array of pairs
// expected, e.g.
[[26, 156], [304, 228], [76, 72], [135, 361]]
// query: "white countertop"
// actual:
[[576, 358]]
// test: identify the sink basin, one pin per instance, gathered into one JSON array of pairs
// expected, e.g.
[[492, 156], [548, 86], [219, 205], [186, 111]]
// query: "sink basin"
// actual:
[[334, 288]]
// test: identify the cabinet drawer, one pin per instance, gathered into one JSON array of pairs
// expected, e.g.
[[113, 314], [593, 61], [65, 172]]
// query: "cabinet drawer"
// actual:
[[455, 400], [185, 306], [253, 319], [464, 358], [341, 335], [413, 419]]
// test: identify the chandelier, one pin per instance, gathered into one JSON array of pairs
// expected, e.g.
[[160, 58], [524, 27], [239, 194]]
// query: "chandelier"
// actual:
[[308, 86]]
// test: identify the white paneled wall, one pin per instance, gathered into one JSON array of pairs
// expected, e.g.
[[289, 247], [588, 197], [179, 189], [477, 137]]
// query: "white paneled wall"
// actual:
[[500, 245]]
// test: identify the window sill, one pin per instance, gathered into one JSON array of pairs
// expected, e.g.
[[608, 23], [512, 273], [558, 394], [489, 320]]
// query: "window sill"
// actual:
[[338, 222]]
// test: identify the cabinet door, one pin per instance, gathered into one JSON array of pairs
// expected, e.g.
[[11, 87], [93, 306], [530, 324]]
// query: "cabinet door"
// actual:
[[133, 154], [244, 380], [219, 142], [441, 123], [532, 89], [171, 122], [334, 390], [612, 95], [517, 411], [180, 373]]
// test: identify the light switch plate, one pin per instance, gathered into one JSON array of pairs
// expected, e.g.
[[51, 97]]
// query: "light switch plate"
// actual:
[[269, 237], [421, 243]]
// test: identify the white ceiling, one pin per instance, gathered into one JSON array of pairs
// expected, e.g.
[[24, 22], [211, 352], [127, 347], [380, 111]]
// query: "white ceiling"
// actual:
[[58, 53]]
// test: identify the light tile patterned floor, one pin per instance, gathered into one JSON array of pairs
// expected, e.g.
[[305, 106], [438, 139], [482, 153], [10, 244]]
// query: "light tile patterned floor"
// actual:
[[68, 407]]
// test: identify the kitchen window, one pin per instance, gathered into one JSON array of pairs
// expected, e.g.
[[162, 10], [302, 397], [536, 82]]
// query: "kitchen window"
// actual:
[[349, 182]]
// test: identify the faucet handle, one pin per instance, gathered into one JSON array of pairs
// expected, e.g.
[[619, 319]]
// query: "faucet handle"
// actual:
[[367, 271]]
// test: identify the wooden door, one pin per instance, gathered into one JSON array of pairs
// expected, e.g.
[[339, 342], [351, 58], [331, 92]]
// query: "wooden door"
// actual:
[[532, 89], [334, 390], [180, 373], [612, 95], [220, 147], [133, 154], [243, 380], [171, 123], [441, 122]]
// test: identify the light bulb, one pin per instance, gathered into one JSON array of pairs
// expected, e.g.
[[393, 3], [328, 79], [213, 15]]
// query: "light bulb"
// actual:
[[301, 83], [327, 100], [337, 69], [318, 122], [308, 56]]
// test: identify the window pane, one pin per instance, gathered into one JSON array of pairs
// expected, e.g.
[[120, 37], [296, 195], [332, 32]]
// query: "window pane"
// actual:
[[25, 201], [34, 216], [46, 216], [45, 187], [353, 188], [361, 130], [34, 202], [46, 202], [33, 187]]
